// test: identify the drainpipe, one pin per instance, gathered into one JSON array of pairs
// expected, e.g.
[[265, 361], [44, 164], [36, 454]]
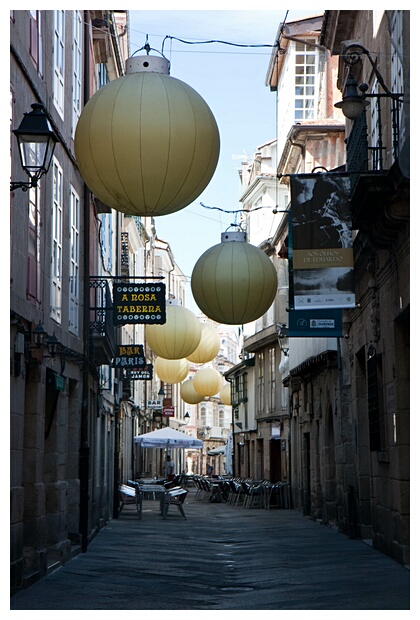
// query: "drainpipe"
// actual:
[[84, 456]]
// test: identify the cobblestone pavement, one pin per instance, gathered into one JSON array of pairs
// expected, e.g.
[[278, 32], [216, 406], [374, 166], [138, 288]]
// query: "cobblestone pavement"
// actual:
[[221, 557]]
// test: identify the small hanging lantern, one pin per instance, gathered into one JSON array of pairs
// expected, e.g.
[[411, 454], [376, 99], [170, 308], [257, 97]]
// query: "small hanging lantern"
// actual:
[[209, 345], [225, 395], [234, 282], [146, 143], [171, 371], [176, 338], [189, 394], [207, 381]]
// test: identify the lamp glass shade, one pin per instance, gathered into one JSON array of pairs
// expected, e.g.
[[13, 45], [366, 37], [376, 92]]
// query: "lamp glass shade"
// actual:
[[189, 394], [171, 371], [147, 144], [208, 381], [234, 282], [225, 395], [178, 337], [209, 345], [36, 140]]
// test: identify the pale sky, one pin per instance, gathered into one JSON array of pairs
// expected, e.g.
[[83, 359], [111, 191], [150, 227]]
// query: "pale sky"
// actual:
[[231, 80]]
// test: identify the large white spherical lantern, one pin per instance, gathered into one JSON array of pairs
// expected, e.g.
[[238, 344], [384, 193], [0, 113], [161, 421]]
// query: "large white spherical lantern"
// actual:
[[189, 394], [176, 338], [209, 345], [171, 371], [147, 143], [234, 282], [225, 395], [207, 381]]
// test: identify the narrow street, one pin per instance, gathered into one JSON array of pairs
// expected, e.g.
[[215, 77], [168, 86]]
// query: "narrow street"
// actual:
[[221, 557]]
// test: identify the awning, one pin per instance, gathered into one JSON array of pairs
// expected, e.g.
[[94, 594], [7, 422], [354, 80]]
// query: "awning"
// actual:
[[216, 451]]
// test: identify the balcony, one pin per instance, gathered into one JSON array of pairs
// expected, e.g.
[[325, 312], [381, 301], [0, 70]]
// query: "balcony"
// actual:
[[373, 158], [101, 327]]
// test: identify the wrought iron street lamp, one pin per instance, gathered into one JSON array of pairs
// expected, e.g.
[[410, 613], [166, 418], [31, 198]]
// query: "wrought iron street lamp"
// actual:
[[36, 141], [354, 103]]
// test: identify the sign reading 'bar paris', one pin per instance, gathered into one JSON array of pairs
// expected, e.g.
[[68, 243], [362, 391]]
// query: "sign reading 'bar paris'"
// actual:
[[139, 303]]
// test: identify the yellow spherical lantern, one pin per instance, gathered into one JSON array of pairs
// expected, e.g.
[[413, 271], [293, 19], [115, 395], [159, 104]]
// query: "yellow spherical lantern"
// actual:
[[147, 143], [225, 395], [189, 394], [209, 345], [207, 381], [176, 338], [234, 282], [171, 371]]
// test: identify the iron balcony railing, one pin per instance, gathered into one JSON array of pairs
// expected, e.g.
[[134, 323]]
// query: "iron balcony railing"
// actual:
[[101, 326], [368, 150]]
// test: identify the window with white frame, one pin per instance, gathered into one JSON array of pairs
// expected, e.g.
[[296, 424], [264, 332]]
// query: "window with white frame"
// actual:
[[58, 61], [105, 236], [33, 284], [56, 243], [260, 382], [306, 58], [272, 377], [74, 276], [77, 68]]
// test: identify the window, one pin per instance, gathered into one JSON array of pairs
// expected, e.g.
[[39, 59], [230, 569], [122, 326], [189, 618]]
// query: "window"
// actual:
[[56, 243], [77, 68], [33, 289], [397, 84], [260, 382], [74, 262], [35, 39], [58, 62], [106, 240], [375, 401], [272, 377], [305, 81], [221, 417]]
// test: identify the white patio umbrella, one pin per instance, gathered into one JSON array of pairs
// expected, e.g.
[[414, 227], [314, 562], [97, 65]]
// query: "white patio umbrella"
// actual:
[[167, 437]]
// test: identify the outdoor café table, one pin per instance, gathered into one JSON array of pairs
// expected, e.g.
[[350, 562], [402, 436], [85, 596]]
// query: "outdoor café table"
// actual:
[[157, 491]]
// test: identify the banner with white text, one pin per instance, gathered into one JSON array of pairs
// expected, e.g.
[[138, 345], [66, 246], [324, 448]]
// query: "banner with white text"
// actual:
[[321, 273]]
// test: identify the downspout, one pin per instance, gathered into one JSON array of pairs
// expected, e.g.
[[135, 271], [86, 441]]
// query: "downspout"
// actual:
[[84, 457]]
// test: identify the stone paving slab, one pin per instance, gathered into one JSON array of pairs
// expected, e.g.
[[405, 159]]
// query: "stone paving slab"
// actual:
[[221, 557]]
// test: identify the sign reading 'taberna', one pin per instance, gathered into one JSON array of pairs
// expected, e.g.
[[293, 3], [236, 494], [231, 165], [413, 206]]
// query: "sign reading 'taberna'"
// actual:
[[139, 303]]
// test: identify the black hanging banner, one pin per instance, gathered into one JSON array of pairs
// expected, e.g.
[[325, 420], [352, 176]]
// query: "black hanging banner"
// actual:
[[321, 242], [139, 303]]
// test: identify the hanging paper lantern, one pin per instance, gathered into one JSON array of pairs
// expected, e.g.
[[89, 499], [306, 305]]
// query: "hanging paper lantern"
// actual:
[[209, 345], [207, 381], [176, 338], [171, 371], [225, 395], [189, 394], [147, 143], [234, 282]]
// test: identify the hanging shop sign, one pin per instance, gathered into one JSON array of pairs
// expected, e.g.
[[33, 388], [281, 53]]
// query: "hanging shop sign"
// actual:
[[143, 374], [129, 356], [316, 323], [168, 412], [139, 303], [155, 404], [321, 271]]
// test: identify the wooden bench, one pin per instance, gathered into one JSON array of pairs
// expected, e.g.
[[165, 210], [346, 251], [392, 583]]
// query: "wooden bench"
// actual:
[[175, 497]]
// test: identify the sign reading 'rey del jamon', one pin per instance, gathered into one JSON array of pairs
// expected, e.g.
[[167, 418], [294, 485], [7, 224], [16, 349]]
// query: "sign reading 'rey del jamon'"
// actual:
[[139, 303]]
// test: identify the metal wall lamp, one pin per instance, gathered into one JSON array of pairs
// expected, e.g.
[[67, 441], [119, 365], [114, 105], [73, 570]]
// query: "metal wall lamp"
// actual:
[[283, 338], [36, 142], [41, 339], [354, 103]]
